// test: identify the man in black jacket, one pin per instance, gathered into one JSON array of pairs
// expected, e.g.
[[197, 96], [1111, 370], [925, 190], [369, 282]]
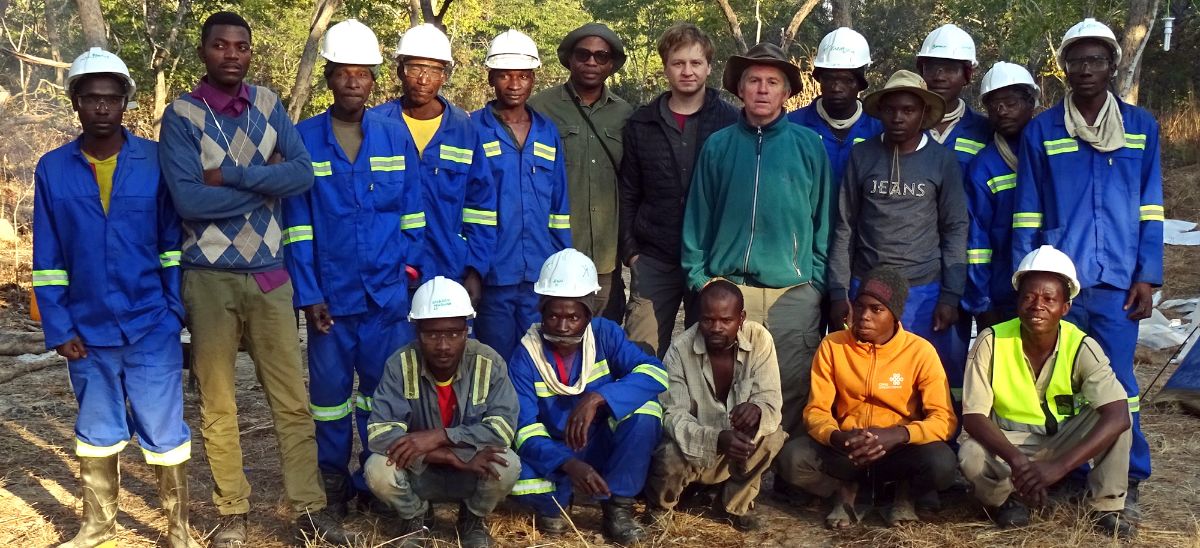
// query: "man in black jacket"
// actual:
[[661, 142]]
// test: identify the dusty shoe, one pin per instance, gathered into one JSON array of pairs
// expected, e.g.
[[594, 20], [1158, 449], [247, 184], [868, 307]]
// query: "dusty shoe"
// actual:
[[473, 530], [367, 503], [231, 532], [1133, 510], [413, 532], [619, 525], [1013, 513], [551, 525], [1113, 524], [748, 522], [324, 525]]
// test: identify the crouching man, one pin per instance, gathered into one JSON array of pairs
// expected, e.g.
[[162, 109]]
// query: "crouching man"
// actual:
[[721, 412], [442, 419], [1040, 400], [590, 415], [880, 410]]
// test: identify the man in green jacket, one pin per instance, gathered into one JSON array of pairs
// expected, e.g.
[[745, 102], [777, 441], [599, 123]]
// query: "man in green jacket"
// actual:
[[759, 213]]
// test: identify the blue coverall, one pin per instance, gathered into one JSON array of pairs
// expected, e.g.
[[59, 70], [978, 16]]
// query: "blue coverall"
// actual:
[[838, 149]]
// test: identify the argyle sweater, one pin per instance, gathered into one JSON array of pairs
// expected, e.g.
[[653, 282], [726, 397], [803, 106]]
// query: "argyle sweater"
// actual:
[[235, 226]]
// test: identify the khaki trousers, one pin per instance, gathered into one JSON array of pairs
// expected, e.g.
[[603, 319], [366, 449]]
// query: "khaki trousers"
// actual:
[[223, 308], [1106, 483], [793, 316], [671, 473]]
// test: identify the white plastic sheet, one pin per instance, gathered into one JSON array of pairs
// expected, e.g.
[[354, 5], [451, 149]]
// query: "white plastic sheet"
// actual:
[[1176, 232]]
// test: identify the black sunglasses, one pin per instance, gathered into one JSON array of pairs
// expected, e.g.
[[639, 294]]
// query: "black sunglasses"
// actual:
[[582, 55]]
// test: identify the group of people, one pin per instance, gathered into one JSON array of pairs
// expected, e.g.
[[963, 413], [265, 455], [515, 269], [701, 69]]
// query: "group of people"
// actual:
[[460, 280]]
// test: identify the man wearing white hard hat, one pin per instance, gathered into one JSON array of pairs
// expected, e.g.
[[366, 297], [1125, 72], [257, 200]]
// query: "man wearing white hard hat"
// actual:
[[523, 153], [590, 416], [106, 277], [1010, 95], [662, 143], [1090, 183], [1040, 401], [442, 420], [840, 68], [354, 296], [946, 61], [460, 195]]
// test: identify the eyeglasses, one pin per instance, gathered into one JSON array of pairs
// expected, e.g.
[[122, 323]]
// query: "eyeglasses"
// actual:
[[92, 101], [420, 71], [932, 68], [1080, 64], [581, 55], [430, 337]]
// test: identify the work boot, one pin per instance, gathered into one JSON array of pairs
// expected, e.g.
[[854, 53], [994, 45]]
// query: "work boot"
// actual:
[[173, 492], [367, 503], [324, 524], [413, 532], [550, 525], [1133, 510], [100, 479], [1113, 523], [473, 530], [619, 525], [748, 522], [1013, 513], [337, 492], [231, 532]]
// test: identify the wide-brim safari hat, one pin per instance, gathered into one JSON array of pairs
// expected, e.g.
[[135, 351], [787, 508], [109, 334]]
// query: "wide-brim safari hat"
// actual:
[[765, 53], [904, 80]]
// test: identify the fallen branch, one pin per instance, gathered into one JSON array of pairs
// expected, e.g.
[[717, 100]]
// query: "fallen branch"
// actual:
[[35, 60]]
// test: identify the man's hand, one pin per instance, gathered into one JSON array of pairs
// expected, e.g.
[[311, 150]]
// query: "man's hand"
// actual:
[[212, 177], [1140, 301], [1033, 478], [839, 314], [408, 448], [317, 316], [585, 479], [484, 463], [72, 349], [745, 418], [580, 420], [735, 445], [944, 316], [276, 158], [473, 282], [633, 259]]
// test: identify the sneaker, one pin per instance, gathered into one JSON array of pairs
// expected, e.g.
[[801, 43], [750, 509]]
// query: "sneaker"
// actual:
[[1113, 524], [231, 532], [1013, 513], [324, 525], [473, 530]]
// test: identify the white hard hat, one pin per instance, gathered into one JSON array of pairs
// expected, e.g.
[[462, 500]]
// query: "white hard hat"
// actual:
[[441, 297], [567, 273], [351, 43], [513, 50], [1048, 259], [843, 49], [99, 61], [425, 40], [1089, 28], [949, 42], [1004, 74]]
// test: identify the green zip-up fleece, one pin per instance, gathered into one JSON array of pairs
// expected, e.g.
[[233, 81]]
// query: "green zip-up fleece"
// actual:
[[760, 211]]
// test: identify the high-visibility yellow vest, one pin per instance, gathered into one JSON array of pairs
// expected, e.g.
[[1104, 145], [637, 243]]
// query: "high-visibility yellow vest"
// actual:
[[1015, 404]]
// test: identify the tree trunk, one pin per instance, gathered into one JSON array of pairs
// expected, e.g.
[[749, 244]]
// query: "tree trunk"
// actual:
[[91, 19], [49, 13], [735, 28], [322, 13], [1137, 34], [432, 17], [789, 35], [843, 13], [414, 13], [159, 64]]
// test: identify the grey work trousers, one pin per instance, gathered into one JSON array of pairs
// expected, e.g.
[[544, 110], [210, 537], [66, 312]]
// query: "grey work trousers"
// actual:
[[409, 493], [656, 290], [793, 316]]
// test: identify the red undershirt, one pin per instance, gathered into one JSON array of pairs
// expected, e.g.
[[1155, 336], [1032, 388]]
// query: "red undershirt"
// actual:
[[679, 119], [447, 402]]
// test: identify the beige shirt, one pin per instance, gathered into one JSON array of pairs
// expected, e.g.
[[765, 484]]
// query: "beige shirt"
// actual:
[[693, 417], [1092, 377]]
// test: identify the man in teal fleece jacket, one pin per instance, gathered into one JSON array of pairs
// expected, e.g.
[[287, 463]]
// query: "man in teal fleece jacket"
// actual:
[[760, 213]]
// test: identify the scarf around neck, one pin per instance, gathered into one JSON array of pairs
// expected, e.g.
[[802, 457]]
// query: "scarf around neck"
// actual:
[[532, 341], [953, 116], [1109, 132], [840, 124]]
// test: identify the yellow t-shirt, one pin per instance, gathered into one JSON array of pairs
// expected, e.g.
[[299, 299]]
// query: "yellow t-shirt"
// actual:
[[104, 170], [422, 131]]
